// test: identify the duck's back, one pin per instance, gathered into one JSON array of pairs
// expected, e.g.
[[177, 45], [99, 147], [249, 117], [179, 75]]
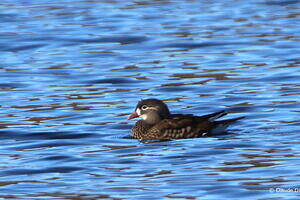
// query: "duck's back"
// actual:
[[180, 126]]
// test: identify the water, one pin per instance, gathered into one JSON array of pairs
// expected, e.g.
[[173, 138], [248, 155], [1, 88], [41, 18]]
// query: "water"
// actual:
[[72, 71]]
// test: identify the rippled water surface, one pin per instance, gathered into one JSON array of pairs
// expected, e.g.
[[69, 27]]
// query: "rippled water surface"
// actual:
[[72, 71]]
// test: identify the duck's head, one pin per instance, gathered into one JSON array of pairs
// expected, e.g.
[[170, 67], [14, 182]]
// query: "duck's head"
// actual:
[[150, 110]]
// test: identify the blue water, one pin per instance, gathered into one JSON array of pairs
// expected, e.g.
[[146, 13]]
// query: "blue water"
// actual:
[[72, 71]]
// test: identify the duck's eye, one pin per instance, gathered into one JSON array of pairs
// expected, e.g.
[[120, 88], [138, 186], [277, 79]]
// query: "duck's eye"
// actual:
[[144, 107]]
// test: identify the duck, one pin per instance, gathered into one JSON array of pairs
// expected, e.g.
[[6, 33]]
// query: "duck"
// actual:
[[157, 123]]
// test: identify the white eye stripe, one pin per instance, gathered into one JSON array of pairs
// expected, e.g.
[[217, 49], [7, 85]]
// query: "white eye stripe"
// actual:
[[144, 107]]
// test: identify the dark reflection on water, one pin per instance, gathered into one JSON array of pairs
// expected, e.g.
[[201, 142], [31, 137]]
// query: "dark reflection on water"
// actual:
[[72, 71]]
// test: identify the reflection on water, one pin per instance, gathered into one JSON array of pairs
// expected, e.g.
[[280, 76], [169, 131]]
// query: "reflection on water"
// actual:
[[71, 72]]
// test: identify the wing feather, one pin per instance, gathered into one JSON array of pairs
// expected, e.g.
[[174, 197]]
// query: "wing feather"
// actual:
[[188, 126], [179, 126]]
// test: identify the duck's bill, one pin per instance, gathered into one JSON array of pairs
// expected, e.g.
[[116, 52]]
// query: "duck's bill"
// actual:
[[133, 115]]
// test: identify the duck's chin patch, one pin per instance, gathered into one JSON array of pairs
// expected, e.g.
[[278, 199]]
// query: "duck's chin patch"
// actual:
[[144, 117]]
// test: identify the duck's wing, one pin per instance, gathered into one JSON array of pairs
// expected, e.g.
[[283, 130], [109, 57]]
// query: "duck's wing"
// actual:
[[190, 126], [178, 126]]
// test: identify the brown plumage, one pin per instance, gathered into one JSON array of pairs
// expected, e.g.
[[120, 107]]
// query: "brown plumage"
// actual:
[[158, 123]]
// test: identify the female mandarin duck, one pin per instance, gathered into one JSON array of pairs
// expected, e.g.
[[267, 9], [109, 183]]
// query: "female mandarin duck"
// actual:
[[158, 123]]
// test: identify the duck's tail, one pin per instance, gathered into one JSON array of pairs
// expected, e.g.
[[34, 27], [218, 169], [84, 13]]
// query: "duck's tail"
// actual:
[[229, 121], [222, 125], [212, 117]]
